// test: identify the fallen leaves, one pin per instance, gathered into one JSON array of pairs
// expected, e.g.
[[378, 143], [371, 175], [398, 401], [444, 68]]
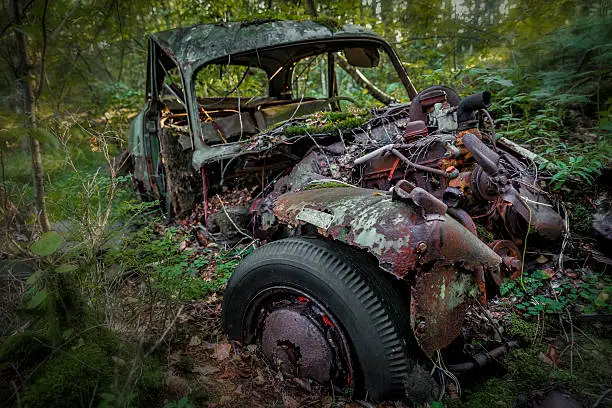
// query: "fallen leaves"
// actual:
[[222, 351], [551, 357], [290, 402], [206, 369], [195, 341]]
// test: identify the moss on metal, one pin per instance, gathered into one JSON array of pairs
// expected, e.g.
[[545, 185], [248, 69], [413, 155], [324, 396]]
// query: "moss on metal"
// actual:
[[328, 122]]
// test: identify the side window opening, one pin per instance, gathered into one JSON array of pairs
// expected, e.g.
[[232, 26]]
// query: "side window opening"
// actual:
[[367, 85], [219, 81], [171, 95], [310, 79], [172, 87], [227, 98], [365, 78]]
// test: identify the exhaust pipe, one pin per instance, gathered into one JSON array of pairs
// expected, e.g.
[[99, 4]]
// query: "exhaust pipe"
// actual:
[[481, 360], [469, 105]]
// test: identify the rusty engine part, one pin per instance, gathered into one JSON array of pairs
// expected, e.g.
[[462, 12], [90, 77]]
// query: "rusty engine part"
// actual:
[[425, 100], [461, 170], [466, 109], [511, 258]]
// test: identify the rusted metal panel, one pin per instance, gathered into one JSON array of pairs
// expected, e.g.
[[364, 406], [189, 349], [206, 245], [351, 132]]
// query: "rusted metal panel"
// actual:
[[439, 300], [397, 233]]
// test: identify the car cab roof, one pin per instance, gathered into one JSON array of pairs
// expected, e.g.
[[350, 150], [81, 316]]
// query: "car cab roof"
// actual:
[[192, 47]]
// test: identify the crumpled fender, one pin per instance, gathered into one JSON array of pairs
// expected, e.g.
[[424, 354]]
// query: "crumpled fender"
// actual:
[[414, 239], [397, 233]]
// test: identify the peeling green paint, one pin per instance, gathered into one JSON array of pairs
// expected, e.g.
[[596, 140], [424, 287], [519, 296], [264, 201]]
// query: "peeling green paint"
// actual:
[[462, 287]]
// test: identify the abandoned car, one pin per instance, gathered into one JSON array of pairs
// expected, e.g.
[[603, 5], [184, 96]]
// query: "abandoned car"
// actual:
[[384, 212]]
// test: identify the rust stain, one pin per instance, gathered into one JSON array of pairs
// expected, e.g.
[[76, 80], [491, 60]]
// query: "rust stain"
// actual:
[[439, 300]]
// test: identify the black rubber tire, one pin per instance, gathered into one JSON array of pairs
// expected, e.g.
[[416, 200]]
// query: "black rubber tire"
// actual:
[[373, 313]]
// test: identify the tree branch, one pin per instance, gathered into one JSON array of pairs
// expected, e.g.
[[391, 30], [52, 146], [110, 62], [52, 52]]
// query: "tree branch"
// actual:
[[10, 23], [364, 82], [43, 54], [61, 25]]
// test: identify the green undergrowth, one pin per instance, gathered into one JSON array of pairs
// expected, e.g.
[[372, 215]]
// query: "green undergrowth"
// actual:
[[584, 372], [556, 351], [85, 371], [62, 184], [174, 273], [581, 209], [554, 98], [536, 293]]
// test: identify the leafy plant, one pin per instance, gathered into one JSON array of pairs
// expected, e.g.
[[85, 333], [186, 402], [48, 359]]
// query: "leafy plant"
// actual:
[[537, 294], [181, 403], [48, 243], [175, 274], [576, 167]]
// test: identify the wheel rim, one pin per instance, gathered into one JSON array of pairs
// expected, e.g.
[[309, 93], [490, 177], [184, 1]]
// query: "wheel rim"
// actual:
[[299, 336]]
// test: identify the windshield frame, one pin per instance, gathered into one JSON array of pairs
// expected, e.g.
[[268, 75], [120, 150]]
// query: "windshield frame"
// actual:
[[189, 78]]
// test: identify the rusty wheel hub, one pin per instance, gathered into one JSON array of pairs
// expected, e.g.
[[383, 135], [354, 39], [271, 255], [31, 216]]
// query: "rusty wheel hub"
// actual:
[[294, 342], [301, 339]]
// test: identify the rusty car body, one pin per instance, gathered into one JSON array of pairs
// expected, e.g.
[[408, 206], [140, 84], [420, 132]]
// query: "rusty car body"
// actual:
[[413, 184]]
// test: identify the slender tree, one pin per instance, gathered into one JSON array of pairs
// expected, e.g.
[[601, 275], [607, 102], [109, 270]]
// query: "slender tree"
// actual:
[[27, 96]]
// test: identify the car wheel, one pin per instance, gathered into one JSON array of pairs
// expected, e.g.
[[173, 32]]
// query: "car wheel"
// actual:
[[325, 311]]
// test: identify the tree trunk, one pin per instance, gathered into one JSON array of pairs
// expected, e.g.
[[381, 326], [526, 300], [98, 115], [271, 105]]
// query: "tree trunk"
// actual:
[[312, 8], [8, 211], [27, 103]]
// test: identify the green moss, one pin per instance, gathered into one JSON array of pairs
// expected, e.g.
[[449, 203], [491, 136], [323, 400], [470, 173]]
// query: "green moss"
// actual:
[[484, 234], [525, 366], [336, 116], [584, 377], [80, 372], [24, 349], [69, 379], [496, 392], [149, 383], [329, 122], [581, 219], [522, 329], [326, 184]]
